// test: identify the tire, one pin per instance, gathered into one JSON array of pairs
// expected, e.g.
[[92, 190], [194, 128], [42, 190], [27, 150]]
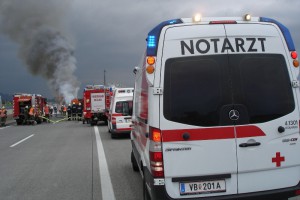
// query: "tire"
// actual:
[[112, 135], [108, 127], [146, 195], [92, 123], [19, 122], [134, 164]]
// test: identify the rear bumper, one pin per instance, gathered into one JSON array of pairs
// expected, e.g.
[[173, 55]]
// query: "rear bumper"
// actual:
[[98, 117], [121, 131], [159, 192]]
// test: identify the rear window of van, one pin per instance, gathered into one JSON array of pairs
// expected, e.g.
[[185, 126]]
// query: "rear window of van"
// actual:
[[196, 89]]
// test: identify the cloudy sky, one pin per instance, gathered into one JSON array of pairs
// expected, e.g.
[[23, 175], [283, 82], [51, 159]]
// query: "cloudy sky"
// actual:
[[98, 35]]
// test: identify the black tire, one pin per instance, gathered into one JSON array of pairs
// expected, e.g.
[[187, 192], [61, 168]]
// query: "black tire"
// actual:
[[83, 121], [134, 164], [92, 123], [146, 195], [112, 135], [108, 128]]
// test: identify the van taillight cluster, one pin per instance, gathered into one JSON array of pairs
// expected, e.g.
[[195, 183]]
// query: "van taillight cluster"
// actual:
[[150, 64], [113, 120], [294, 55], [155, 153]]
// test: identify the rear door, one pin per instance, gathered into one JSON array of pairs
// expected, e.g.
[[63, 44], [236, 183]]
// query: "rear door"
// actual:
[[199, 145], [97, 101], [268, 149], [123, 112]]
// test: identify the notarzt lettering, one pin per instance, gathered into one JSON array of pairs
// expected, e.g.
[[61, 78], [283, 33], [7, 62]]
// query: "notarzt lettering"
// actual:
[[203, 46]]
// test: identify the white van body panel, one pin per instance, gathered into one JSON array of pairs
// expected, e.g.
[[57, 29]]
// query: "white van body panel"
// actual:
[[122, 122], [251, 168], [244, 62]]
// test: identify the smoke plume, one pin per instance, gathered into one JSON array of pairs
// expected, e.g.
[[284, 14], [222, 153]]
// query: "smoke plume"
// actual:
[[37, 27]]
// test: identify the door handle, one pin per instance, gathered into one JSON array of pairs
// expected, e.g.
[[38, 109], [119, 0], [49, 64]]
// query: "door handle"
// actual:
[[249, 144]]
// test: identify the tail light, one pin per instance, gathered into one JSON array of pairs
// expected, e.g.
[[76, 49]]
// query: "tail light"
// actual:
[[294, 56], [155, 154], [113, 120]]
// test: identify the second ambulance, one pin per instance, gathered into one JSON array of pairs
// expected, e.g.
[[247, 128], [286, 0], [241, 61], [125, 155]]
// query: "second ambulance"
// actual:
[[216, 113], [120, 111]]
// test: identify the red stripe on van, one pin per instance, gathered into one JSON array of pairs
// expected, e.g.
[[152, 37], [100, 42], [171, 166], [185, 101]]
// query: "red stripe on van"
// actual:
[[212, 133], [249, 131], [117, 114], [123, 129]]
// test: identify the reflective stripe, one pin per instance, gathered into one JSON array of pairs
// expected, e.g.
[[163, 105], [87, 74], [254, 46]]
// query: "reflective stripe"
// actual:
[[212, 133]]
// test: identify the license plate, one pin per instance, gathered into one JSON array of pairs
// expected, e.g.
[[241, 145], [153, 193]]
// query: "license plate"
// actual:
[[202, 187]]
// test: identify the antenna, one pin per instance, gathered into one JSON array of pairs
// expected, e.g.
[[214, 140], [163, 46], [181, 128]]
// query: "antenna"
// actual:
[[104, 81]]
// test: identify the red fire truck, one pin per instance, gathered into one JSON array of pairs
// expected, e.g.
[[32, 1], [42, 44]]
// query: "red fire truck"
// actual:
[[22, 101], [96, 102]]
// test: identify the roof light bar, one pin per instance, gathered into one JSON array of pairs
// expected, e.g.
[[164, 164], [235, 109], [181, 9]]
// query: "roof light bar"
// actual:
[[153, 36], [223, 22], [197, 17], [284, 30]]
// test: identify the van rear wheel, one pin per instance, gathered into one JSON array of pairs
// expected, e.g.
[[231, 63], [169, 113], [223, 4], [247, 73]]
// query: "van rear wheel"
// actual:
[[135, 166], [146, 195]]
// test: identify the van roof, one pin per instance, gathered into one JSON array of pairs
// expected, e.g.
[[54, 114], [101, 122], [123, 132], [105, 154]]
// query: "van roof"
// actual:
[[153, 35]]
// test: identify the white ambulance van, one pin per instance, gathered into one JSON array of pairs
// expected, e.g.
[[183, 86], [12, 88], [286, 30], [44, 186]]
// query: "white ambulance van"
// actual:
[[216, 112], [119, 115]]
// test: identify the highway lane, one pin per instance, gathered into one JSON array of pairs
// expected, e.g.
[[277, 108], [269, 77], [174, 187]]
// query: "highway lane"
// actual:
[[60, 161], [127, 184]]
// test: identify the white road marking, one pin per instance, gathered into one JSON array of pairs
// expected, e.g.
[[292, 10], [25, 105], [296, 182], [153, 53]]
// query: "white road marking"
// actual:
[[4, 127], [22, 140], [106, 185]]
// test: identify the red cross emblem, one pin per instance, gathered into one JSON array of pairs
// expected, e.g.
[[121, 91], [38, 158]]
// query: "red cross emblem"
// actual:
[[278, 159]]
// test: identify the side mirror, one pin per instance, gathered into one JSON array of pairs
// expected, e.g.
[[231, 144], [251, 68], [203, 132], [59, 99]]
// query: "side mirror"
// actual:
[[136, 69]]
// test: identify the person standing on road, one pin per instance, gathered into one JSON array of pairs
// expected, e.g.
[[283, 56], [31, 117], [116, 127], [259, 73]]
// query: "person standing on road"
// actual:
[[55, 111], [69, 111], [74, 111], [31, 113], [26, 114], [3, 116], [46, 111], [79, 112]]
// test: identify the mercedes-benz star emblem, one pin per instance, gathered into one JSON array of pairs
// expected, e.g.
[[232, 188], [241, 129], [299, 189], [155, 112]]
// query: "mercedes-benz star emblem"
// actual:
[[234, 115]]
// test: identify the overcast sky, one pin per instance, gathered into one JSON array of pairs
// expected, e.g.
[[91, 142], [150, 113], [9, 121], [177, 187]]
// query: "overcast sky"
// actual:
[[110, 35]]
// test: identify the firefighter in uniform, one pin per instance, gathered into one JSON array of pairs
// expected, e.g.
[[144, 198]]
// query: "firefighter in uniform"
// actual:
[[64, 110], [69, 111], [31, 113], [26, 114], [79, 112], [3, 116], [74, 111], [46, 111]]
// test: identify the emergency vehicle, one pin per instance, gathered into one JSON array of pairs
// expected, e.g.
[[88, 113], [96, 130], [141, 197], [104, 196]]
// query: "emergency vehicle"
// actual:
[[21, 100], [215, 111], [96, 100], [119, 115], [76, 101]]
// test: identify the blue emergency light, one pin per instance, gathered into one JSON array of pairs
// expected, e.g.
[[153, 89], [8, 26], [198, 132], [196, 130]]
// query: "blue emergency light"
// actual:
[[153, 36], [285, 31]]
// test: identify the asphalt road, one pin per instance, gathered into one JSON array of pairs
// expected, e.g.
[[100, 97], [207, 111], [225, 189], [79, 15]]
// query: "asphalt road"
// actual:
[[60, 161]]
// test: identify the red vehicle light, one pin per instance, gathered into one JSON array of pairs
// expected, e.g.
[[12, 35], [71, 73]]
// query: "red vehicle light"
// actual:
[[223, 22]]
